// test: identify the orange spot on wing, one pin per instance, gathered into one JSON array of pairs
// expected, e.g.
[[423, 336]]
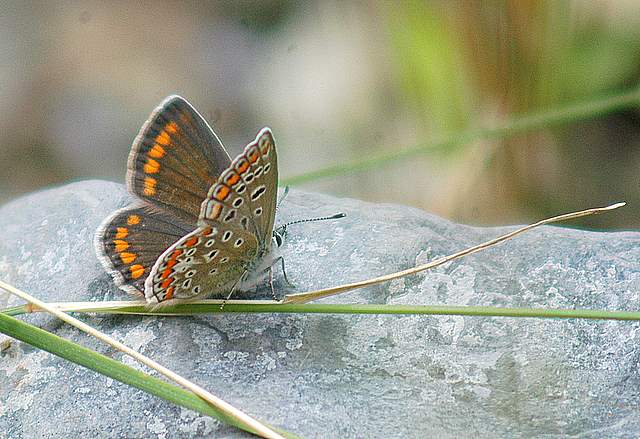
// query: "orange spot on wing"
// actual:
[[171, 128], [152, 166], [122, 232], [163, 138], [132, 220], [149, 186], [136, 271], [127, 257], [173, 260], [121, 245], [265, 146], [207, 231], [253, 154], [191, 241], [221, 193], [157, 152], [166, 283], [166, 273], [242, 166], [232, 179], [169, 294]]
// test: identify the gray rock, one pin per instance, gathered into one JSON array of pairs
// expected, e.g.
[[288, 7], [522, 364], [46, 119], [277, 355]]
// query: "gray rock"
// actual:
[[340, 376]]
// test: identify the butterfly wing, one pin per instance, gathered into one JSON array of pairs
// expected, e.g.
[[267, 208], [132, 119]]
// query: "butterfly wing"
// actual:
[[129, 242], [246, 193], [235, 229], [175, 159], [202, 263]]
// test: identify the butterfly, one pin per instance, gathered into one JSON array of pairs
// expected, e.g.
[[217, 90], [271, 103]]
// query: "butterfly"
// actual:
[[202, 224]]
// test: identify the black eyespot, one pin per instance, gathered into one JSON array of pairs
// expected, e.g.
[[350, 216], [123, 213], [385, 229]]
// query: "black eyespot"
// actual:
[[241, 188], [258, 171], [190, 273], [267, 167], [213, 271], [212, 254], [209, 243], [238, 242], [196, 289], [258, 192], [249, 177], [186, 283], [258, 211], [231, 215], [191, 251], [227, 235], [224, 260], [238, 202], [245, 222]]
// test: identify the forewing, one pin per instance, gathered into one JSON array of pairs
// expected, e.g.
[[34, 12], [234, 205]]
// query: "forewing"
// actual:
[[208, 261], [129, 242], [246, 193], [175, 159]]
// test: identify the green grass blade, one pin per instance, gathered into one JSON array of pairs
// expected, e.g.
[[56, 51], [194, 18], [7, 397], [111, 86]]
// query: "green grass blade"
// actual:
[[15, 311], [554, 117], [332, 308], [109, 367]]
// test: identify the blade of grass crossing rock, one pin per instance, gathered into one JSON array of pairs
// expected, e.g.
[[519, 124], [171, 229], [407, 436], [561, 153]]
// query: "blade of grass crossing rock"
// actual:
[[111, 368]]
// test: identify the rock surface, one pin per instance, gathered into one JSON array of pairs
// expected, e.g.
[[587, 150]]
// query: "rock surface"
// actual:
[[340, 376]]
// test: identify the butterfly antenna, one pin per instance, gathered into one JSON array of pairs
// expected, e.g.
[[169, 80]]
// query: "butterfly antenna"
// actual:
[[310, 220]]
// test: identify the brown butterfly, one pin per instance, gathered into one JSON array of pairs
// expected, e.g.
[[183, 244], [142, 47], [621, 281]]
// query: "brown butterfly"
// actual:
[[203, 224]]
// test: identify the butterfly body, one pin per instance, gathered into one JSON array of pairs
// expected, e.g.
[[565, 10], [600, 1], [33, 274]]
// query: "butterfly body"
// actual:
[[203, 224]]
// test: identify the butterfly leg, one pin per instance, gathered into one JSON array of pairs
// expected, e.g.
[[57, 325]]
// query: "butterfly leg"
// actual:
[[269, 270], [233, 289], [273, 292], [284, 271]]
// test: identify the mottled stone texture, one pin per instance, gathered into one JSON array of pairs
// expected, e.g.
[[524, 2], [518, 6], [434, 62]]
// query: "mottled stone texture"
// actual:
[[340, 376]]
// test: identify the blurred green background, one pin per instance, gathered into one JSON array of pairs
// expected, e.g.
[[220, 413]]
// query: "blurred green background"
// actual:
[[336, 81]]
